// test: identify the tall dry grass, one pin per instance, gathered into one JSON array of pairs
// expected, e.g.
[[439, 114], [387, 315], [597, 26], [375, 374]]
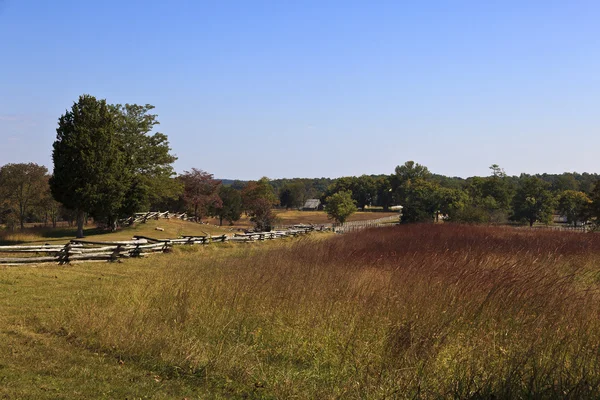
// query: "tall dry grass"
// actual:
[[403, 312]]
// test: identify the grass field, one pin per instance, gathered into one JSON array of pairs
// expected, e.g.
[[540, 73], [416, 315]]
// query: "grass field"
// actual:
[[424, 311], [172, 228], [292, 217]]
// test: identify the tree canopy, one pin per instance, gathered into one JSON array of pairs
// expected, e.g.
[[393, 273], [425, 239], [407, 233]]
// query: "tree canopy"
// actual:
[[22, 187], [533, 201], [200, 192], [105, 162], [339, 206]]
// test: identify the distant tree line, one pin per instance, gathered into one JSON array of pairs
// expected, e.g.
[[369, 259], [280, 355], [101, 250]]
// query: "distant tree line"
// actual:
[[497, 198], [110, 163]]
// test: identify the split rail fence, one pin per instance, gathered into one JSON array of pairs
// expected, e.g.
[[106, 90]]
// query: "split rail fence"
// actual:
[[79, 250], [354, 226]]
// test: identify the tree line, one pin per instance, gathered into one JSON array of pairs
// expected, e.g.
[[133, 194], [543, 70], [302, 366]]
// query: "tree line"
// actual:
[[497, 198], [108, 163]]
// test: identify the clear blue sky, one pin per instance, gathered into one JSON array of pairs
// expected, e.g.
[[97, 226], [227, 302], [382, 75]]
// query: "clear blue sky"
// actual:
[[245, 89]]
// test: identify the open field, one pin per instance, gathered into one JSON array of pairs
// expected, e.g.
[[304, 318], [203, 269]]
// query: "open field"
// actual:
[[172, 228], [292, 217], [422, 311]]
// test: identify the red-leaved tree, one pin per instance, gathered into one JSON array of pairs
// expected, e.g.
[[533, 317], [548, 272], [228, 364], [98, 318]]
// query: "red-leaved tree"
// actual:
[[201, 192]]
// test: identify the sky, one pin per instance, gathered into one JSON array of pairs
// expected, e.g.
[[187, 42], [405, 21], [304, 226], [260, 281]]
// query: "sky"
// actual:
[[246, 89]]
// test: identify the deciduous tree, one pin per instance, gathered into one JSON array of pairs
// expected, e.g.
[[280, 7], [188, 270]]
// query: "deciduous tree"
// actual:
[[231, 205], [533, 201], [574, 205], [22, 188], [148, 160], [200, 191], [339, 206], [258, 199]]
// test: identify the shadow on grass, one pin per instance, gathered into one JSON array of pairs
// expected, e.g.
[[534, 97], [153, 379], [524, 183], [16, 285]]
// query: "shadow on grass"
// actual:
[[33, 235]]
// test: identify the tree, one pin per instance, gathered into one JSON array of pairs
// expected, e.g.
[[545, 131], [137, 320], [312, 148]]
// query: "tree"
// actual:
[[384, 193], [106, 163], [255, 190], [411, 171], [148, 160], [258, 199], [200, 192], [497, 171], [363, 189], [574, 205], [292, 195], [89, 166], [48, 206], [261, 214], [422, 200], [564, 182], [22, 188], [231, 205], [533, 201], [594, 206], [339, 206]]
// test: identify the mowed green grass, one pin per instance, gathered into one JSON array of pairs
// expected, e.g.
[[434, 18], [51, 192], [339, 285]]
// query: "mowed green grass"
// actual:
[[424, 311]]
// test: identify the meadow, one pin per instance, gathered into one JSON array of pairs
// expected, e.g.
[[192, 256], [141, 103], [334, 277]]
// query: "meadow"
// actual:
[[416, 311], [171, 228]]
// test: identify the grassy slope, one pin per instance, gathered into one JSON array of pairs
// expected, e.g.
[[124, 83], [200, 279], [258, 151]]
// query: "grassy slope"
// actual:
[[38, 365], [172, 228], [429, 311]]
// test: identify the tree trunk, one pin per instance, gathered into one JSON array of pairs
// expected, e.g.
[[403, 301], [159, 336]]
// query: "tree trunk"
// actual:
[[220, 220], [80, 220], [531, 221], [112, 221]]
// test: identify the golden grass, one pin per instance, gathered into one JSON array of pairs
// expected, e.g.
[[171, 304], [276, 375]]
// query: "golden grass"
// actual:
[[171, 229], [293, 217], [431, 311]]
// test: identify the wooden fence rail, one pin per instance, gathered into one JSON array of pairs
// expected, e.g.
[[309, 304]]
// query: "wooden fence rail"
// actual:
[[354, 226], [78, 250]]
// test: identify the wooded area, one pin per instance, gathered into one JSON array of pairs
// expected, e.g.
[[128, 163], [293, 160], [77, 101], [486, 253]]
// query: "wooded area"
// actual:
[[129, 169]]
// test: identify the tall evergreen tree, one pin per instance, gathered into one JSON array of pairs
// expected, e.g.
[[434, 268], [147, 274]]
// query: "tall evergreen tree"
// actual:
[[90, 172]]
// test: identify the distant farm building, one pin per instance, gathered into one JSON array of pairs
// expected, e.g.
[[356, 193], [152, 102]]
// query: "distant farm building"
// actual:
[[312, 205]]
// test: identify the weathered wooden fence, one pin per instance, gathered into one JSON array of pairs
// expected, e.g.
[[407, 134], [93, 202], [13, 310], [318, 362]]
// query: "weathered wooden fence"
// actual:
[[566, 228], [145, 216], [79, 250], [354, 226]]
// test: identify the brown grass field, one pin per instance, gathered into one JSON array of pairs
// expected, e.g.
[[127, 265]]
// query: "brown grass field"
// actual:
[[422, 311]]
